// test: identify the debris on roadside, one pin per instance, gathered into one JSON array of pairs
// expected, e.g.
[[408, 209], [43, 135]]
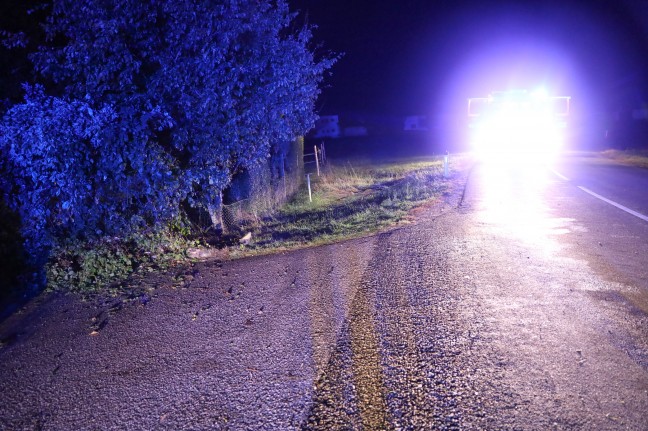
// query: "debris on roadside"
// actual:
[[246, 239], [204, 253]]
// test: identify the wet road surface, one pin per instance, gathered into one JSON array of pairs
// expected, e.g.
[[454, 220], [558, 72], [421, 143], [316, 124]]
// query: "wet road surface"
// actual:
[[504, 315], [521, 307]]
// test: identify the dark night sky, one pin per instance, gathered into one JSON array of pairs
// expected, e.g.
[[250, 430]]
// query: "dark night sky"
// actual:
[[416, 56]]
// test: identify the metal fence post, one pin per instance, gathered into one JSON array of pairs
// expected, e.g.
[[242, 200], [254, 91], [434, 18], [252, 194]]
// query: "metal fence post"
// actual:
[[310, 196]]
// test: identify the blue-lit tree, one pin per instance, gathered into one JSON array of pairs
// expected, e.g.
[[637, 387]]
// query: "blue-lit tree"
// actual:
[[149, 103]]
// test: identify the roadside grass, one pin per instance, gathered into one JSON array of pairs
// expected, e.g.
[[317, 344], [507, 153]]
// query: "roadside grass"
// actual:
[[352, 199], [637, 158], [349, 199]]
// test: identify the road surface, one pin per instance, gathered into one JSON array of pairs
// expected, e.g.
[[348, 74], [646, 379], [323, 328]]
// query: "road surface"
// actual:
[[521, 305]]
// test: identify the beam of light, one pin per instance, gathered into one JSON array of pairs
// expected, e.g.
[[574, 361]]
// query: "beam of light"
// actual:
[[521, 60], [515, 201], [516, 126], [540, 94]]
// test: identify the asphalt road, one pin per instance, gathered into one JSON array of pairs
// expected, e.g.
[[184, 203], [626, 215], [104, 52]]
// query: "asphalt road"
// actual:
[[621, 236], [520, 304]]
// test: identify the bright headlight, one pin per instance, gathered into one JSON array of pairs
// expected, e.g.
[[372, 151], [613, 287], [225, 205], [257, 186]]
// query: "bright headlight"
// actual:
[[517, 125]]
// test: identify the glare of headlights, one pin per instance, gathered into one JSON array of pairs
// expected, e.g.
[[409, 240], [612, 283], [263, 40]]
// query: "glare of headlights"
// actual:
[[521, 128]]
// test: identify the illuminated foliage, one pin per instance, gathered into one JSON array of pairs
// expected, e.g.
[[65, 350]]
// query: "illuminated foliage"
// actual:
[[149, 103]]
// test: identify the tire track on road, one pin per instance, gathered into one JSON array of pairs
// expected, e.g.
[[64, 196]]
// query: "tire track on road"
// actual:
[[403, 360], [350, 392]]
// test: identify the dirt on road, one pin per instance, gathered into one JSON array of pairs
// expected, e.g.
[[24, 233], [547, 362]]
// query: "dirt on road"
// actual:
[[471, 318]]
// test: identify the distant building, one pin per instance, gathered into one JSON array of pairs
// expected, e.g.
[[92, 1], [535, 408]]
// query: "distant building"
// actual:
[[416, 123], [327, 126]]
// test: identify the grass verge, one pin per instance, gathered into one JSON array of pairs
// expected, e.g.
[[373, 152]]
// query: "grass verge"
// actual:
[[638, 158], [353, 199]]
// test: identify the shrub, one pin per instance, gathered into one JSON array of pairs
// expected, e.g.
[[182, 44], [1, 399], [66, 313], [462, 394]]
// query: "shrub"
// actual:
[[89, 266], [65, 182], [149, 104]]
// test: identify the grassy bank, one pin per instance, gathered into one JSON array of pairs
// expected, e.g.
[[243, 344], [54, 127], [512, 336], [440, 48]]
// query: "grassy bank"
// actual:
[[637, 158], [353, 198]]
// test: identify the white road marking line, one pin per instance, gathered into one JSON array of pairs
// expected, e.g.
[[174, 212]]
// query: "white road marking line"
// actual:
[[611, 202], [621, 207], [559, 175]]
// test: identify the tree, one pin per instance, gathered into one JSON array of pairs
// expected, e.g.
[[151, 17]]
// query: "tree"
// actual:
[[152, 103]]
